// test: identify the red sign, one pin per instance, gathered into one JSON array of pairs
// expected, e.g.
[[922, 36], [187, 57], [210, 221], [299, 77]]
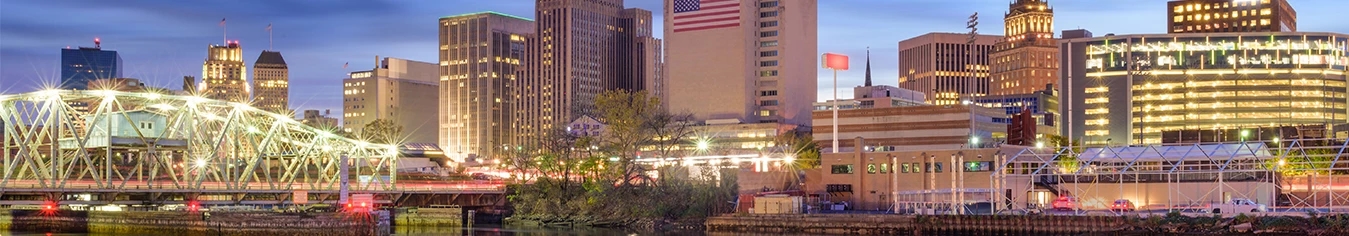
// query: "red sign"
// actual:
[[835, 61]]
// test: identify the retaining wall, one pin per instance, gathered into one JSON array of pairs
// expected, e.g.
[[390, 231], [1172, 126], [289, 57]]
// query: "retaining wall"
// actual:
[[197, 223], [914, 225]]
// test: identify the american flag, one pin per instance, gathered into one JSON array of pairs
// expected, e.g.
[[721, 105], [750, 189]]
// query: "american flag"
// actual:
[[690, 15]]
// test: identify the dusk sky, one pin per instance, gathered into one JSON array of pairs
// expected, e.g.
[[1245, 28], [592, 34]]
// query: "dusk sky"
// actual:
[[162, 41]]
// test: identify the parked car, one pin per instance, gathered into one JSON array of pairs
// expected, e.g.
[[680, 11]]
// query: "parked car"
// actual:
[[1122, 205], [1065, 203], [1238, 205]]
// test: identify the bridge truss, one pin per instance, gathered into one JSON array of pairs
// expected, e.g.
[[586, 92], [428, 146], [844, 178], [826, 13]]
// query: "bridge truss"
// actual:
[[113, 141]]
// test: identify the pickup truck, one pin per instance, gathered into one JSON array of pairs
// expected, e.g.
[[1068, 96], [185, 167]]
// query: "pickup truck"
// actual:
[[1237, 205]]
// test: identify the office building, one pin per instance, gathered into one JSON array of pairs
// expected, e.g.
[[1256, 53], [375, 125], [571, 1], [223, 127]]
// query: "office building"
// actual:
[[1025, 59], [945, 67], [1129, 89], [271, 83], [1043, 106], [1211, 16], [909, 127], [580, 49], [398, 90], [315, 119], [754, 61], [223, 73], [480, 54], [84, 64]]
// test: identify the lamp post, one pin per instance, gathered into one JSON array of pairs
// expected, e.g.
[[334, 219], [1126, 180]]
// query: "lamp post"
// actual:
[[835, 62]]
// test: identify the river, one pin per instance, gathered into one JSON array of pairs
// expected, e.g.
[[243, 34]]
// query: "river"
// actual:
[[475, 231]]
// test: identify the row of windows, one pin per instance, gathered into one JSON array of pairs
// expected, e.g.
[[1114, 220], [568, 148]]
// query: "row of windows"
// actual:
[[768, 14], [1201, 7], [767, 24], [772, 53], [766, 34], [768, 63], [768, 73], [768, 4], [1214, 16], [768, 103], [768, 93], [770, 43]]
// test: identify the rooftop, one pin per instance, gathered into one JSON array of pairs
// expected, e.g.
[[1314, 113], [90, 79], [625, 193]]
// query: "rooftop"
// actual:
[[486, 12]]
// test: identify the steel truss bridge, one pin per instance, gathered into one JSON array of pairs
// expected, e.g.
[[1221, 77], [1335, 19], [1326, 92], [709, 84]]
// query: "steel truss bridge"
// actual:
[[114, 147]]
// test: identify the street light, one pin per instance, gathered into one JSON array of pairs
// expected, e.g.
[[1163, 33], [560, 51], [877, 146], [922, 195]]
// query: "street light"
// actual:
[[201, 163], [1040, 144], [702, 145]]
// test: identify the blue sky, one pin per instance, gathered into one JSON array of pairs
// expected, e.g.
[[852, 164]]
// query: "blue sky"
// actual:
[[161, 41]]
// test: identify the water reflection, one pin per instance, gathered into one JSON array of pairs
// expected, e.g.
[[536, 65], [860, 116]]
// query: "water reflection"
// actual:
[[484, 230]]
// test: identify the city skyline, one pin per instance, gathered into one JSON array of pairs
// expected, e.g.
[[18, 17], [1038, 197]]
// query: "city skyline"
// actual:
[[160, 41]]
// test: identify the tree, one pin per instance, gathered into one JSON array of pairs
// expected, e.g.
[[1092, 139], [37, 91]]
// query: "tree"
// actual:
[[1067, 159], [801, 144], [626, 115], [382, 131]]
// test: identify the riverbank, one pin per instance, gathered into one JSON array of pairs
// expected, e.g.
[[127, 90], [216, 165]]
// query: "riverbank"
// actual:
[[1034, 225], [583, 222], [195, 223]]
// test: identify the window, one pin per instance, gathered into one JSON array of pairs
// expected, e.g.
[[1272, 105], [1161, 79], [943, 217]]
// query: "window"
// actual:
[[768, 63], [773, 53], [768, 4], [871, 168], [904, 168], [768, 34], [936, 167], [766, 24], [978, 166], [765, 44], [835, 188], [885, 168], [147, 125], [768, 73], [768, 103], [768, 93], [840, 169], [768, 14]]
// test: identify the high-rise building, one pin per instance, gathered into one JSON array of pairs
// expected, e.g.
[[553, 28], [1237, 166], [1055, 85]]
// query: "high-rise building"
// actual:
[[84, 64], [580, 49], [223, 73], [398, 90], [1207, 16], [945, 67], [754, 61], [271, 83], [1130, 89], [1026, 59], [189, 85], [479, 56]]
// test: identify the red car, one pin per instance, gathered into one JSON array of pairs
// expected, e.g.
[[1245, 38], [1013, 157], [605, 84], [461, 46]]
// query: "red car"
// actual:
[[1065, 203], [1122, 205]]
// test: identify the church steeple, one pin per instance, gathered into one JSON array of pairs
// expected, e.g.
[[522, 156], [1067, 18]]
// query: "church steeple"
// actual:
[[868, 82]]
